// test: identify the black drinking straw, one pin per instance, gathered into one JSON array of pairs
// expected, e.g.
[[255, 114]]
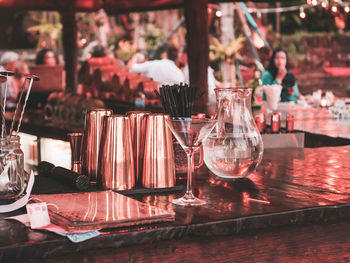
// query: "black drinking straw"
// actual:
[[177, 100], [174, 101], [183, 100], [188, 102], [165, 106], [161, 100], [168, 108]]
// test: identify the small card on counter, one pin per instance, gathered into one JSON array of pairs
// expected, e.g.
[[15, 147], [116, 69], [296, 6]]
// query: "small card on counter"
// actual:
[[38, 215]]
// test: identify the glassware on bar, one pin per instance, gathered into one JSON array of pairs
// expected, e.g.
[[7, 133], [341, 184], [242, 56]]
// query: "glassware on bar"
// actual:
[[190, 132], [76, 145], [235, 148], [12, 176]]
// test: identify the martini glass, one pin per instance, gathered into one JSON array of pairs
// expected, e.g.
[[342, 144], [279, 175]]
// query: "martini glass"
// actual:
[[190, 132]]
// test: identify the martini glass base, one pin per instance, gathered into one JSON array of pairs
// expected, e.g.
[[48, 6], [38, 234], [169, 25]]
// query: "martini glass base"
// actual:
[[187, 200]]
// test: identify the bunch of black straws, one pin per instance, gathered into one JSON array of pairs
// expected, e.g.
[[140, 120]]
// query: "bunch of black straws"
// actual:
[[177, 100]]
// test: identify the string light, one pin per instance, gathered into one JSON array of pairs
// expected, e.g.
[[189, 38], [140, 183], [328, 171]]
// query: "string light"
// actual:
[[302, 13], [324, 4], [278, 9], [218, 13], [333, 4]]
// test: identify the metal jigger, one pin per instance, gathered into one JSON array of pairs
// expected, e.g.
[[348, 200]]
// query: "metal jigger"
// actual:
[[76, 145]]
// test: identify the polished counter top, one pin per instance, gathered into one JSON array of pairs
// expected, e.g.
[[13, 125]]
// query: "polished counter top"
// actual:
[[290, 187], [315, 120], [328, 127]]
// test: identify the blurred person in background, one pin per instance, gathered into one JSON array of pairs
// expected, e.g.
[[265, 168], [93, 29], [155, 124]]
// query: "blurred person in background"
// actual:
[[212, 82], [138, 57], [164, 71], [277, 72], [98, 52], [9, 62], [46, 57]]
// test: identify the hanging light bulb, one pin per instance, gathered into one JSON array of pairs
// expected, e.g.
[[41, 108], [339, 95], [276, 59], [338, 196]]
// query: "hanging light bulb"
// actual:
[[218, 13], [302, 13], [347, 9], [314, 2], [334, 8]]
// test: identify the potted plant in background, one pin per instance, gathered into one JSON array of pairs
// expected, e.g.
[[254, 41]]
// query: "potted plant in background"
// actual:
[[227, 54]]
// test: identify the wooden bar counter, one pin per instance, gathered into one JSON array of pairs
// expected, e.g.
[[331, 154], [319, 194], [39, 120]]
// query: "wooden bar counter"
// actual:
[[294, 208]]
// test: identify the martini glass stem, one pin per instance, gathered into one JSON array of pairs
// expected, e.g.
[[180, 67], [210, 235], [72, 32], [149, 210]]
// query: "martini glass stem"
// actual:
[[190, 163]]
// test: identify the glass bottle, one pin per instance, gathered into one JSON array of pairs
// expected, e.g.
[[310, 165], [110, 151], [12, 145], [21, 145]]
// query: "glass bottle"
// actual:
[[256, 82], [12, 177], [234, 148]]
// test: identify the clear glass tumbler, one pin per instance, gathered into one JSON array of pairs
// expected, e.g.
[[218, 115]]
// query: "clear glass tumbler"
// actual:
[[12, 176]]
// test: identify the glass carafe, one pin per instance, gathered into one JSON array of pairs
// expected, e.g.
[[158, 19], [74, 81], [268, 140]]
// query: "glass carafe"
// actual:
[[12, 176], [234, 148]]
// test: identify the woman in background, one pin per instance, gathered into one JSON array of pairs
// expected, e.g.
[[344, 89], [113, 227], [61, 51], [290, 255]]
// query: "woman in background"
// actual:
[[46, 57], [277, 72]]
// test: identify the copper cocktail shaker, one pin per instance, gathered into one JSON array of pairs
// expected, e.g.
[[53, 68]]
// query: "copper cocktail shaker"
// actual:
[[92, 139], [158, 165], [76, 145], [116, 160], [138, 121]]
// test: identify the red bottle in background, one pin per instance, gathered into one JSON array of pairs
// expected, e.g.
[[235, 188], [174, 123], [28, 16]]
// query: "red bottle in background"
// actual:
[[275, 122], [290, 122], [260, 122]]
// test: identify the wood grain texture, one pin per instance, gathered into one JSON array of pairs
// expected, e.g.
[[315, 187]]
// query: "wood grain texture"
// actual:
[[308, 243], [196, 18], [70, 47], [304, 190]]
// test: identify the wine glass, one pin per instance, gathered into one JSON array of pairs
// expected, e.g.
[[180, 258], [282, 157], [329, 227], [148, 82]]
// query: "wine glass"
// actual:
[[190, 132]]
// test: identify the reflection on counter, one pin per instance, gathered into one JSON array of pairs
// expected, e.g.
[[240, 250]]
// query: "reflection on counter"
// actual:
[[96, 210], [29, 146], [56, 151]]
